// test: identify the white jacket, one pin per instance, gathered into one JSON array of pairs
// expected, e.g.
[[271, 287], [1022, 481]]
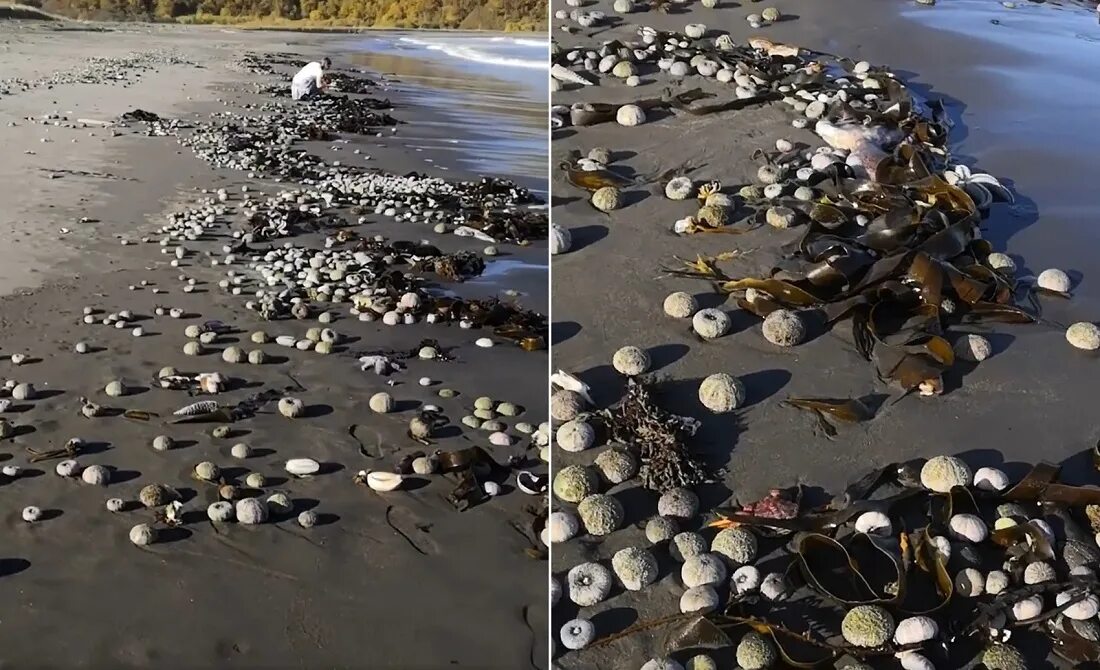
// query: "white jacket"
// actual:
[[312, 73]]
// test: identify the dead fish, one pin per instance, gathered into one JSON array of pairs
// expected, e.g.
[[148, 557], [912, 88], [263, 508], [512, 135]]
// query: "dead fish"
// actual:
[[196, 408]]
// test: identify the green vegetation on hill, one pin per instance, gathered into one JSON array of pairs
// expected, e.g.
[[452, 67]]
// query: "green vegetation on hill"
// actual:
[[517, 15]]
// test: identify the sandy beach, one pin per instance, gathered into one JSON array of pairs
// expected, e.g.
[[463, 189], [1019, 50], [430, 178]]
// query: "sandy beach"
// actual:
[[384, 579], [1026, 403]]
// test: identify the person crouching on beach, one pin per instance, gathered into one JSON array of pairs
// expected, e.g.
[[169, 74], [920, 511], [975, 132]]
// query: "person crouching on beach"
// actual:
[[310, 80]]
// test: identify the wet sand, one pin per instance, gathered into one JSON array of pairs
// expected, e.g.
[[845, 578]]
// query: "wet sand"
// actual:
[[385, 579], [1027, 403]]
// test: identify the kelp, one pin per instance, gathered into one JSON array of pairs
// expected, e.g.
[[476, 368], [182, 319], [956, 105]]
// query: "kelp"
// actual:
[[831, 569], [784, 292], [848, 410], [703, 267], [594, 180], [920, 252]]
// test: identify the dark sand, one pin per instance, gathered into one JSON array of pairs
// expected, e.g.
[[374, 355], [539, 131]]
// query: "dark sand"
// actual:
[[349, 593], [1029, 402]]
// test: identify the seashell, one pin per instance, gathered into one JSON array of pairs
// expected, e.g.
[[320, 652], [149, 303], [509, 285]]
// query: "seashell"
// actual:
[[1084, 608], [915, 630], [24, 391], [384, 481], [96, 475], [1039, 573], [383, 403], [1028, 608], [307, 519], [156, 495], [302, 467], [1054, 280], [197, 408], [630, 115], [286, 340], [484, 342], [193, 348], [291, 408], [990, 479], [695, 30], [1082, 335], [911, 660], [31, 514], [207, 471], [233, 355], [279, 503], [67, 468], [143, 534], [116, 505], [874, 523], [560, 239], [531, 484], [967, 527], [6, 429], [251, 511], [220, 511], [564, 74], [707, 68], [745, 579], [419, 428], [775, 587], [679, 188], [710, 323]]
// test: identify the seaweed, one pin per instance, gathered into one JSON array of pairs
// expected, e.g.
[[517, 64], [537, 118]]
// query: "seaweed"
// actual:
[[832, 569], [660, 437]]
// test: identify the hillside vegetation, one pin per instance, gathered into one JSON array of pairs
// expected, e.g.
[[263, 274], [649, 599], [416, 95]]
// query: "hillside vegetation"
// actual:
[[516, 15]]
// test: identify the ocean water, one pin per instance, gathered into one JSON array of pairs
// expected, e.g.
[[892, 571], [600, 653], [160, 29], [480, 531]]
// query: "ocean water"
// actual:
[[489, 91], [1028, 94]]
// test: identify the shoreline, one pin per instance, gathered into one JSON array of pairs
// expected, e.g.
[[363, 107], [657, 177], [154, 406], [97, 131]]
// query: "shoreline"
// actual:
[[378, 560], [763, 444]]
